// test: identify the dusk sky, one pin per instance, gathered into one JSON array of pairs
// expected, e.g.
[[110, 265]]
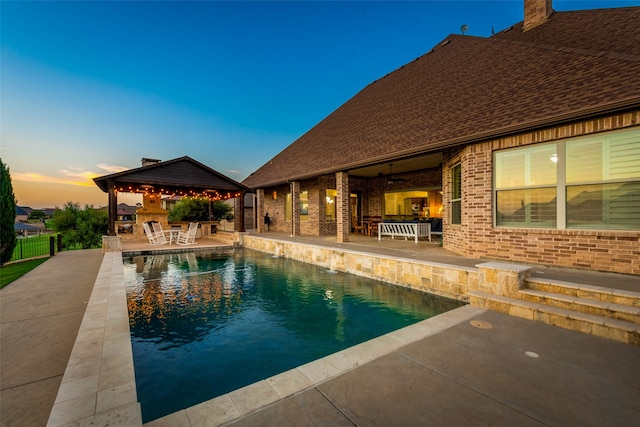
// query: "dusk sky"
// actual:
[[90, 88]]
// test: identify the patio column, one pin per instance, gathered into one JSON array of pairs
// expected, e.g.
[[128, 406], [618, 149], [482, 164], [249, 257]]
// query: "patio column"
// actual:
[[342, 206], [239, 213], [295, 208], [259, 207], [113, 207]]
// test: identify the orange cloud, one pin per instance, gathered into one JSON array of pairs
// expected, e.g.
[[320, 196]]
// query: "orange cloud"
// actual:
[[71, 176], [83, 179]]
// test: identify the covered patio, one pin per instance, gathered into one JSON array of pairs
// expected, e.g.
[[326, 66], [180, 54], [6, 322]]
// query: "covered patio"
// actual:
[[181, 177]]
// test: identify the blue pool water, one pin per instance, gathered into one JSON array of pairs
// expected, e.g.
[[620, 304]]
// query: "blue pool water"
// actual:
[[206, 324]]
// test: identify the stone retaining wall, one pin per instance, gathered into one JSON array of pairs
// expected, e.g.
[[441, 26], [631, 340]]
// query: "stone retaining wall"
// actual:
[[440, 279]]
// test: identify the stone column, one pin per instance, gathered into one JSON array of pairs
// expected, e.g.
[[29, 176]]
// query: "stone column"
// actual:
[[342, 206], [500, 278], [111, 244]]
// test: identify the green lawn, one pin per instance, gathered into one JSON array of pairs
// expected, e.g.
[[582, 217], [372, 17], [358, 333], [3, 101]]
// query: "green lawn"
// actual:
[[11, 272]]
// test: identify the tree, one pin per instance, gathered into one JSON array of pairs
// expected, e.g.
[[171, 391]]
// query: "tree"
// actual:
[[221, 210], [84, 227], [194, 209], [7, 215]]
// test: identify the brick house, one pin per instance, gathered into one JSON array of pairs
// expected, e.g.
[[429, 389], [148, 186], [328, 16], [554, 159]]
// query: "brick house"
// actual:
[[524, 145]]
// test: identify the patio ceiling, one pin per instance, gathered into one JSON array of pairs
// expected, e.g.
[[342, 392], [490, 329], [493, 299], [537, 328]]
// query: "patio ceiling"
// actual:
[[410, 164]]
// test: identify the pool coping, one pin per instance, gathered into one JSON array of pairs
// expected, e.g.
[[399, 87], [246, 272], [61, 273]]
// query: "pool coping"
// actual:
[[99, 388]]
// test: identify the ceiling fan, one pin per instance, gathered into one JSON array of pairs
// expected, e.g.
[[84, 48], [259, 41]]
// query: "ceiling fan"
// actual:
[[390, 179]]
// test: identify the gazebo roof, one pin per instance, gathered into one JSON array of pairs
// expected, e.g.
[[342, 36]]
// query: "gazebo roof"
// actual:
[[182, 176]]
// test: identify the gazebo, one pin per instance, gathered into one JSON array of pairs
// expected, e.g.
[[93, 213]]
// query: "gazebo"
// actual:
[[183, 177]]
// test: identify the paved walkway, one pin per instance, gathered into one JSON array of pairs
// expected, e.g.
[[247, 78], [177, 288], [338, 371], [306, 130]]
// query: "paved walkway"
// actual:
[[504, 371], [478, 371], [40, 314]]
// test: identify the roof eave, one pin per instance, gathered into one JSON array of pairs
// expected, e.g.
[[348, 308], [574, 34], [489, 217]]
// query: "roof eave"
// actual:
[[573, 116]]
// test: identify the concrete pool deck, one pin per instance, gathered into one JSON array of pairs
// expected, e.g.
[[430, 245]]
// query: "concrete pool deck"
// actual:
[[465, 366]]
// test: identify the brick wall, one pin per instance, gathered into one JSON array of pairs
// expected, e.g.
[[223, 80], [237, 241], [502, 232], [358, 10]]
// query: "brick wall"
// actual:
[[276, 208], [536, 12], [606, 250]]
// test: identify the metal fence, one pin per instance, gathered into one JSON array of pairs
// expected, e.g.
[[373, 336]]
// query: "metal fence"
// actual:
[[37, 246]]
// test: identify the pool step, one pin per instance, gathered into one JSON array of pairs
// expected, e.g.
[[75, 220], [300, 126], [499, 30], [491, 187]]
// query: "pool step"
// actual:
[[583, 305], [598, 293], [608, 313]]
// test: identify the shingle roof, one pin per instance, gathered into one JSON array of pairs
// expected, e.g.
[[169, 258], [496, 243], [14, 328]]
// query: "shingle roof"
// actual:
[[183, 173], [20, 226], [601, 30], [467, 89]]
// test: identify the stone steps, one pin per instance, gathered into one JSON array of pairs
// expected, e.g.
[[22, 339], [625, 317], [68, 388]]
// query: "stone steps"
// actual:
[[598, 293], [583, 305], [603, 312]]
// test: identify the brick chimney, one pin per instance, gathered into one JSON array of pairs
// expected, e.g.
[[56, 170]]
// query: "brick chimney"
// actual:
[[536, 12], [147, 162]]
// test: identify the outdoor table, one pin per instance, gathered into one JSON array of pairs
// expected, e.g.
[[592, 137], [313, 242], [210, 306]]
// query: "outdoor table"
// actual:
[[173, 234]]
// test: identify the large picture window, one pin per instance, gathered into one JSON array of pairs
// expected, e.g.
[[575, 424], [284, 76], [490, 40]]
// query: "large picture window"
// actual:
[[589, 183], [603, 181], [525, 184], [412, 204]]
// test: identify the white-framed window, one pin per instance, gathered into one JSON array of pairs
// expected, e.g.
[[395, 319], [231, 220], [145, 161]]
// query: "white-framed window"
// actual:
[[588, 182], [525, 182]]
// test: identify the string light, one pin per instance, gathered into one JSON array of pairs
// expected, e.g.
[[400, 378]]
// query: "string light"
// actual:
[[211, 195]]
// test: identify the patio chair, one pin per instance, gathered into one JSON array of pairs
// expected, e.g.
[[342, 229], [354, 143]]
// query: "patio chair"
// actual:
[[154, 238], [188, 237], [157, 227]]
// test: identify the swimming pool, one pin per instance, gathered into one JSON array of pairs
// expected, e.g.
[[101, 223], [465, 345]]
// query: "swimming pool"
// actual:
[[204, 324]]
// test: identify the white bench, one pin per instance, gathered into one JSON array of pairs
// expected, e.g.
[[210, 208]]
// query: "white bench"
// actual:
[[404, 229]]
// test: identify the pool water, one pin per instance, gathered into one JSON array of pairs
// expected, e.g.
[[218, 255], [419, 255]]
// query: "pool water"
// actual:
[[206, 324]]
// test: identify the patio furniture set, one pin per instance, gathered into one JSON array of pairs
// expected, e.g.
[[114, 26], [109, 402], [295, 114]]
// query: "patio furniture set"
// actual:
[[157, 236]]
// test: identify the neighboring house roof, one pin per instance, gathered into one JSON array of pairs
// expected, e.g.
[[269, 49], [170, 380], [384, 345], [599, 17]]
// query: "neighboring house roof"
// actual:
[[575, 66], [124, 209], [22, 210], [20, 226], [181, 174]]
